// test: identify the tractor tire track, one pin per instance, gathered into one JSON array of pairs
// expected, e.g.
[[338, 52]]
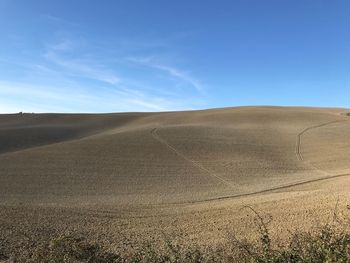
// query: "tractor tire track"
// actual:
[[277, 188], [192, 162], [298, 151]]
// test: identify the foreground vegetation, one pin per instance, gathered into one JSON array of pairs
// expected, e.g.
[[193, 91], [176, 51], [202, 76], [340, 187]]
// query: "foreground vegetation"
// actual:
[[328, 243]]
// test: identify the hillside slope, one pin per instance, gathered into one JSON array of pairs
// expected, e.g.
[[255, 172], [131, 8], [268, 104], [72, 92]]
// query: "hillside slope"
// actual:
[[173, 157]]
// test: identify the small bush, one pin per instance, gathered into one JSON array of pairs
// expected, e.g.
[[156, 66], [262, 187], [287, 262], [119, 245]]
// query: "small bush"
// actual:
[[73, 249], [329, 243], [70, 249]]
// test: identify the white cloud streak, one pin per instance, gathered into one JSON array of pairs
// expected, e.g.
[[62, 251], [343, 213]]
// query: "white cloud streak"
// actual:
[[83, 70], [58, 20], [172, 71], [180, 75], [47, 98], [61, 82]]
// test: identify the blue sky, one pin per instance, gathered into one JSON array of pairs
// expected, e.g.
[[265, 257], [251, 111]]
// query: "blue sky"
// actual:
[[149, 55]]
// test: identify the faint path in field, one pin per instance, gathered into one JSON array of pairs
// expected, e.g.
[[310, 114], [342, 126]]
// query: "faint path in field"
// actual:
[[301, 183], [298, 151], [192, 162]]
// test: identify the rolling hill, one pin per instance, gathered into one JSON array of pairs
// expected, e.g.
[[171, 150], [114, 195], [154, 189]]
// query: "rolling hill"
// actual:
[[170, 157]]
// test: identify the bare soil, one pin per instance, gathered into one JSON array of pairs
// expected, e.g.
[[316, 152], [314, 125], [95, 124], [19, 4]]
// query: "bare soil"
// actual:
[[122, 179]]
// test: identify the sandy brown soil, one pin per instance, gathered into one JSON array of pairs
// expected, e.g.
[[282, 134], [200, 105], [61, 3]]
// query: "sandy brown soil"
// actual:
[[126, 178]]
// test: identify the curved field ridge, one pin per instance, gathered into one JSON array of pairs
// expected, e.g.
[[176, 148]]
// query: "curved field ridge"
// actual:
[[274, 189], [298, 151], [191, 156]]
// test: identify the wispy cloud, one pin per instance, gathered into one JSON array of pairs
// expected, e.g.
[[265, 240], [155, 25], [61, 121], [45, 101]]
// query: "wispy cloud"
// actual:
[[64, 45], [77, 99], [180, 75], [75, 75], [172, 71], [86, 69], [58, 20]]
